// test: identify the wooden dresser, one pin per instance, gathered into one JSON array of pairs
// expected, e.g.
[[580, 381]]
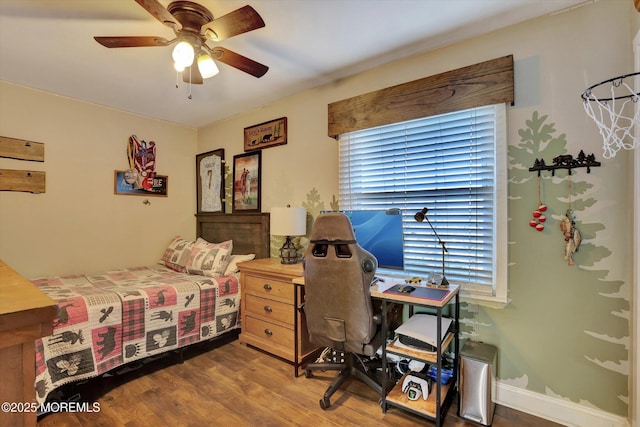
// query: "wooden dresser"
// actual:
[[25, 315], [270, 319]]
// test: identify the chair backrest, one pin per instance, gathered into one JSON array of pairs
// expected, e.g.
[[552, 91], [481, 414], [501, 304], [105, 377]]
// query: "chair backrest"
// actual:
[[338, 274]]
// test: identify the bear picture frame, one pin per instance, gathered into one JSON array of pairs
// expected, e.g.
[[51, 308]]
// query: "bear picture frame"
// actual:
[[265, 135]]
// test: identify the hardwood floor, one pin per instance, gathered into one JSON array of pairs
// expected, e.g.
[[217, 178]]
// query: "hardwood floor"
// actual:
[[230, 384]]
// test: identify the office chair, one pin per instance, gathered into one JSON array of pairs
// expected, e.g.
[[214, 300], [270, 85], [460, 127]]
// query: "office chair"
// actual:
[[338, 307]]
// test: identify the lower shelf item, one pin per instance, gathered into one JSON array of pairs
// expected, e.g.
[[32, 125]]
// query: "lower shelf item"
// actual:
[[427, 407]]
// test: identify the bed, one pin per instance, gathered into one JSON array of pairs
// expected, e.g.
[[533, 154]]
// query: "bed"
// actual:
[[116, 317]]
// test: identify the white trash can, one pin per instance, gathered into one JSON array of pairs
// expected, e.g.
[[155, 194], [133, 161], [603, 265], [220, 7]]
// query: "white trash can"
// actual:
[[477, 382]]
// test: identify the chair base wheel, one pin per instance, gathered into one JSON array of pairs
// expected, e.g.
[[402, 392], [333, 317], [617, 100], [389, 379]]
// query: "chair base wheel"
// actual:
[[308, 373], [324, 403]]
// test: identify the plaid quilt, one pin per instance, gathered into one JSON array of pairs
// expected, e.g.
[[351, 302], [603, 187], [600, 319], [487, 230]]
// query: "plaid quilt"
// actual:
[[110, 319]]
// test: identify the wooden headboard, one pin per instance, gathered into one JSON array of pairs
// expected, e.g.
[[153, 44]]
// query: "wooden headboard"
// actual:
[[249, 231]]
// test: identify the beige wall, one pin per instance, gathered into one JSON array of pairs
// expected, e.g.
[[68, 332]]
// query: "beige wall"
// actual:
[[289, 172], [79, 225], [566, 333]]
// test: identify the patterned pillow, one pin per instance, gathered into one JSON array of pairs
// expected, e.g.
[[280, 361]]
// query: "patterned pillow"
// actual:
[[209, 259], [177, 254]]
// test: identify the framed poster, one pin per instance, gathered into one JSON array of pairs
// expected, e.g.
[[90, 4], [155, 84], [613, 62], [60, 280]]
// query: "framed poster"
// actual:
[[265, 135], [247, 181], [210, 181], [128, 183]]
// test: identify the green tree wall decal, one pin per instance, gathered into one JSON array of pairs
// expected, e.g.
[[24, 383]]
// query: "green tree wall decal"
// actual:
[[314, 205], [565, 332]]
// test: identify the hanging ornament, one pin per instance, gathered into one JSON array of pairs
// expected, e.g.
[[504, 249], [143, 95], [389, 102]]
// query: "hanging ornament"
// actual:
[[571, 234], [538, 217]]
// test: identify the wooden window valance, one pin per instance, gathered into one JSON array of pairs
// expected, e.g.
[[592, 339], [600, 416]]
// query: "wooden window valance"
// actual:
[[486, 83]]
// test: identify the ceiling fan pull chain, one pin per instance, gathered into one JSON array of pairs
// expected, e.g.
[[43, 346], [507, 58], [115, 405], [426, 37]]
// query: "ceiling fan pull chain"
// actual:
[[190, 68]]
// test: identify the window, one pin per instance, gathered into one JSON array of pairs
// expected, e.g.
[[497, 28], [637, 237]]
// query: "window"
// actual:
[[455, 165]]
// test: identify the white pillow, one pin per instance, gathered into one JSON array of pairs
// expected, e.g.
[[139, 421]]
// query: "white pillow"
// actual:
[[235, 259]]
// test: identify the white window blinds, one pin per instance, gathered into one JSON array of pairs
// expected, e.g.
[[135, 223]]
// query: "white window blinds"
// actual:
[[446, 163]]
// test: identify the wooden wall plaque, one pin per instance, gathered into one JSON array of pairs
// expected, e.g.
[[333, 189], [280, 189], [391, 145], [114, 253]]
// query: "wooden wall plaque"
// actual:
[[21, 149], [27, 181]]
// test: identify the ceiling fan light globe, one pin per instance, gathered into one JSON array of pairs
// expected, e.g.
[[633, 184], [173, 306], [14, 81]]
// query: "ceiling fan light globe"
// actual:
[[207, 66], [178, 68], [183, 54]]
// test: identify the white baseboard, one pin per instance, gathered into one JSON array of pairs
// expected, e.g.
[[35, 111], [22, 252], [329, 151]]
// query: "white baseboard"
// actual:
[[557, 410]]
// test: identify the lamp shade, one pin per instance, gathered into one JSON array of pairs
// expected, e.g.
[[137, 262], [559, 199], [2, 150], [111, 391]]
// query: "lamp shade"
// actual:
[[288, 221], [206, 66]]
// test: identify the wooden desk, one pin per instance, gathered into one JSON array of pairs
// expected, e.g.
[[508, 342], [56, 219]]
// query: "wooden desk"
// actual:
[[26, 314], [452, 291]]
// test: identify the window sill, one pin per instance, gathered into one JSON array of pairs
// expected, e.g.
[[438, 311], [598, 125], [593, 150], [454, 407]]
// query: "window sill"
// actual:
[[489, 301]]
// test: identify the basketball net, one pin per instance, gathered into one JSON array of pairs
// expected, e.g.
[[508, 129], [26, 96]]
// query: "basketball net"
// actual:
[[615, 116]]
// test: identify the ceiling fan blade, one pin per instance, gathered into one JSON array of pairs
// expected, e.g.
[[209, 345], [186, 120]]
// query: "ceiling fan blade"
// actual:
[[127, 41], [192, 74], [238, 61], [237, 22], [160, 13]]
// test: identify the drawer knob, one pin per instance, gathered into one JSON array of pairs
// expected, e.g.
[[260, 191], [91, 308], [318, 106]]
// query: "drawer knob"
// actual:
[[268, 309], [267, 287], [268, 331]]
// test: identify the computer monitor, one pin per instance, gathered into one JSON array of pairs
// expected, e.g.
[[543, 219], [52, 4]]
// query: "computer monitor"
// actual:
[[379, 231]]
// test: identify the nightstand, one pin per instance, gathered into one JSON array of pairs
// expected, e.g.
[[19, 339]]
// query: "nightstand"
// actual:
[[272, 318]]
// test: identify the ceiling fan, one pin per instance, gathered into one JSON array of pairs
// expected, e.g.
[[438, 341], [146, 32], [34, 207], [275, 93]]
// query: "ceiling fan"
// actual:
[[194, 26]]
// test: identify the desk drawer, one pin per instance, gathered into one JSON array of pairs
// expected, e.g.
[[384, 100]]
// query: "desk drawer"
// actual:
[[268, 287], [269, 309], [270, 332]]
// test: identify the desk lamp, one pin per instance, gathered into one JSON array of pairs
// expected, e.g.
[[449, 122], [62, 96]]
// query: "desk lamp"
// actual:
[[288, 222], [421, 216]]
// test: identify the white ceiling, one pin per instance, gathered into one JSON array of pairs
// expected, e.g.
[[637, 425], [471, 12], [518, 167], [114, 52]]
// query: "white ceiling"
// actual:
[[49, 45]]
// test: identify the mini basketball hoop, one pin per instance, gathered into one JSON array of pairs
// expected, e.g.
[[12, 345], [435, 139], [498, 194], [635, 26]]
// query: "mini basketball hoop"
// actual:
[[614, 113]]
